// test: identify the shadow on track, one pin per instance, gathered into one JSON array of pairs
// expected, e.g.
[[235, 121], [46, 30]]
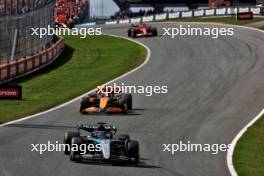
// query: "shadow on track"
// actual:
[[124, 164], [138, 109], [65, 128], [130, 113], [38, 126]]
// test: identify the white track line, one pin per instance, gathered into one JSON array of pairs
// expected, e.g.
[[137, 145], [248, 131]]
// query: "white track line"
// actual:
[[77, 98]]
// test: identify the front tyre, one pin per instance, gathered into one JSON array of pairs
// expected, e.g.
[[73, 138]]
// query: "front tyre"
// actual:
[[82, 107], [133, 34], [67, 140], [133, 152], [129, 33], [75, 152]]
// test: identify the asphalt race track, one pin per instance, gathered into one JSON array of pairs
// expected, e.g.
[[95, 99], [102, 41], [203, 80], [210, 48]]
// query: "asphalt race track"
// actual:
[[215, 88]]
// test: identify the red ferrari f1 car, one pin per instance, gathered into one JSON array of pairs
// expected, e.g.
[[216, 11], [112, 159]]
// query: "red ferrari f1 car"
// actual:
[[142, 30]]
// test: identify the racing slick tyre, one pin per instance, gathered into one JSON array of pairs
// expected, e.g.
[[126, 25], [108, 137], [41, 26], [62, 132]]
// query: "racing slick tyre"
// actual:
[[133, 152], [123, 137], [67, 140], [82, 107], [155, 32], [126, 102], [129, 33], [125, 108], [75, 154], [129, 102], [133, 34], [84, 104]]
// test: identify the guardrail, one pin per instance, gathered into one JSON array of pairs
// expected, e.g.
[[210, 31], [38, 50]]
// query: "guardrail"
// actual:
[[188, 14], [30, 64]]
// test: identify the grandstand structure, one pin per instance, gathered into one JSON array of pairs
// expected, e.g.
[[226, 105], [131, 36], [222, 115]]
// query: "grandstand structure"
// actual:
[[159, 5]]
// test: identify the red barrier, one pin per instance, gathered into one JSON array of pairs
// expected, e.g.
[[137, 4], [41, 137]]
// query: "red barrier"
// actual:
[[31, 63]]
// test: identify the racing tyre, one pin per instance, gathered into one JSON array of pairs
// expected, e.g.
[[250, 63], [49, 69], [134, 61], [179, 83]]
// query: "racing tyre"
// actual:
[[125, 108], [82, 107], [124, 99], [133, 152], [83, 104], [129, 102], [133, 34], [155, 32], [126, 102], [75, 154], [67, 140], [129, 33]]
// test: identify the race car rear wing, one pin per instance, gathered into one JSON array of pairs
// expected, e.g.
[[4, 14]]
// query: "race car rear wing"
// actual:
[[98, 127]]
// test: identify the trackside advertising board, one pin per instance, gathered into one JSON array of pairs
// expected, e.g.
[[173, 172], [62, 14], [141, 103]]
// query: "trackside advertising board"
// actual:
[[10, 92], [244, 16]]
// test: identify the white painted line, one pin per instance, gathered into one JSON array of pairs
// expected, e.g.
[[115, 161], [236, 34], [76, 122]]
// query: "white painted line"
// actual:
[[77, 98], [230, 152]]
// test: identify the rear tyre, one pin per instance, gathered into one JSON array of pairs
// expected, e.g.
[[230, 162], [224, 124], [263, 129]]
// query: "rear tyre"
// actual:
[[133, 152], [125, 102], [155, 32], [130, 102], [67, 140], [129, 33], [125, 109]]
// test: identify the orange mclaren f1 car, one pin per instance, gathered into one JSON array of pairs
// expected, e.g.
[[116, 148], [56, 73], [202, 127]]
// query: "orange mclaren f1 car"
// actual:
[[106, 102], [142, 30]]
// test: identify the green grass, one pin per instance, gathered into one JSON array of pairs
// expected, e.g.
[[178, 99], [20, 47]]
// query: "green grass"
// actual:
[[85, 64], [249, 152], [225, 20]]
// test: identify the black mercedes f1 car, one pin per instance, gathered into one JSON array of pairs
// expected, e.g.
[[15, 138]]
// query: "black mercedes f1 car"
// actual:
[[109, 147]]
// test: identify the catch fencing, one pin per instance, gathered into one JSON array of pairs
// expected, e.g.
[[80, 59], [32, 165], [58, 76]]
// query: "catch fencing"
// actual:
[[20, 52], [15, 29], [30, 64]]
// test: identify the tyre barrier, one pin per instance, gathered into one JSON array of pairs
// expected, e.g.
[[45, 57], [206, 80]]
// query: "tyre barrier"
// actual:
[[30, 64], [224, 11]]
